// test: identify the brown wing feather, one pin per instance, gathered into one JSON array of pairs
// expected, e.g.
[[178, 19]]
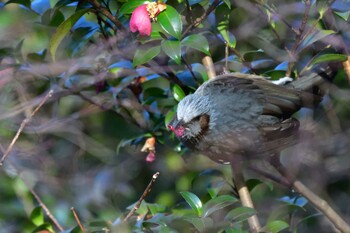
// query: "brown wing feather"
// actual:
[[278, 100]]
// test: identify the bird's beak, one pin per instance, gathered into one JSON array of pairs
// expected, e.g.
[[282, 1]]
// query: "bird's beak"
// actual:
[[174, 123]]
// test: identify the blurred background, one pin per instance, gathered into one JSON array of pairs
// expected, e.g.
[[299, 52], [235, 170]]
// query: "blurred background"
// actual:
[[113, 90]]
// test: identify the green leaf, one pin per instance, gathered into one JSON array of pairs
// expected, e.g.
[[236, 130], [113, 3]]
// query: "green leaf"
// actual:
[[170, 21], [329, 58], [129, 6], [313, 37], [156, 208], [63, 29], [172, 48], [62, 3], [168, 117], [201, 224], [178, 93], [276, 226], [240, 214], [252, 183], [218, 203], [26, 3], [42, 228], [193, 201], [52, 17], [37, 216], [198, 42], [199, 68], [343, 15], [228, 3], [144, 55], [222, 14], [234, 230], [254, 55]]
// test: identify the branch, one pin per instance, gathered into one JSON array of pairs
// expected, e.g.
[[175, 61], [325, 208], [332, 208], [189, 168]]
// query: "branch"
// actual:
[[36, 196], [106, 13], [244, 196], [23, 124], [78, 220], [200, 19], [299, 37], [143, 196], [47, 211], [209, 66], [346, 65], [318, 202]]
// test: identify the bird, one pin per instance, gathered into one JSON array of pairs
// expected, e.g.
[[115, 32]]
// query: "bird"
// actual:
[[239, 116]]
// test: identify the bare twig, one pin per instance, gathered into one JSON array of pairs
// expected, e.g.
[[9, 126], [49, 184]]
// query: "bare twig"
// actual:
[[143, 196], [318, 202], [106, 13], [200, 19], [77, 219], [244, 196], [189, 67], [37, 198], [23, 124], [47, 211], [299, 37]]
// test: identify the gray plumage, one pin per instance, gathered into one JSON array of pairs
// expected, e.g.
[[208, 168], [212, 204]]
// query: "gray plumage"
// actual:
[[237, 114]]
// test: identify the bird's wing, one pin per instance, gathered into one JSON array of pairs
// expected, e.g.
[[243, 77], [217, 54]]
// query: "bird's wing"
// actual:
[[276, 100]]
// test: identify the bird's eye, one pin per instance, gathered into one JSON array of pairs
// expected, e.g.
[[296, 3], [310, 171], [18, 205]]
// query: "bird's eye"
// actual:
[[197, 118]]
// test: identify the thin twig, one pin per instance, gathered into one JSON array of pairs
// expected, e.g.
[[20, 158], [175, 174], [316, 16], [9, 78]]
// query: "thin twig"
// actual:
[[78, 220], [47, 211], [200, 19], [36, 196], [299, 37], [318, 202], [189, 67], [244, 196], [143, 196], [106, 13], [23, 124]]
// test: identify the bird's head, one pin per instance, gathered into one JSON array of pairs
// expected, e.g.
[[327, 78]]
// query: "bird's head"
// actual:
[[192, 118]]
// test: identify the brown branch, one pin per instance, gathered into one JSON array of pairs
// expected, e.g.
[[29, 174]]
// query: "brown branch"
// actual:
[[143, 196], [189, 67], [106, 13], [202, 17], [23, 124], [318, 202], [36, 196], [47, 211], [77, 219], [346, 65], [244, 196], [209, 67]]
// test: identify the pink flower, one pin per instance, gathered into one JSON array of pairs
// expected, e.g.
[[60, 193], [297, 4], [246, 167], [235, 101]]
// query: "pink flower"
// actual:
[[140, 21], [151, 156]]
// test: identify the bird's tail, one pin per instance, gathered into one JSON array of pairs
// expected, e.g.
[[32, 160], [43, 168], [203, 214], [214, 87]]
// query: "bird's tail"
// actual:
[[316, 82]]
